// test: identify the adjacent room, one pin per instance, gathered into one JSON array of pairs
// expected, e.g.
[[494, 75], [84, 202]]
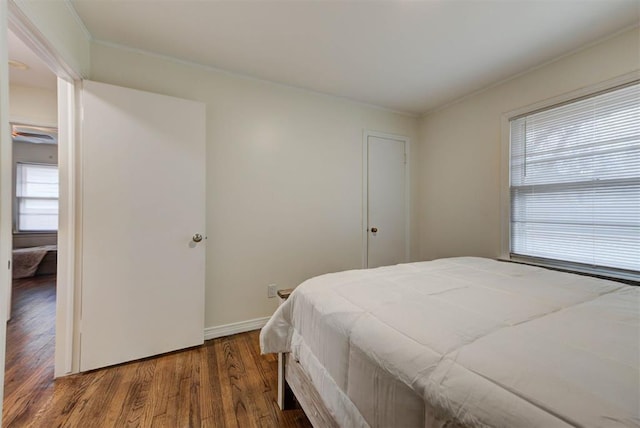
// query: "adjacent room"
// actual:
[[32, 295], [314, 213]]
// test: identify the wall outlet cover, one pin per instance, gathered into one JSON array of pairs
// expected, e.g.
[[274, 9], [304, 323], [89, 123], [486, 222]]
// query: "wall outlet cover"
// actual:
[[271, 290]]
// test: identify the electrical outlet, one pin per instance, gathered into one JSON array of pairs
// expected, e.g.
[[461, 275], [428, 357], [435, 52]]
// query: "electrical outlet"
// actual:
[[271, 290]]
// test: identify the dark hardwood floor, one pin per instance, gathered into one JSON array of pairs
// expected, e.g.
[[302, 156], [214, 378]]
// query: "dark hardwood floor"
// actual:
[[224, 383]]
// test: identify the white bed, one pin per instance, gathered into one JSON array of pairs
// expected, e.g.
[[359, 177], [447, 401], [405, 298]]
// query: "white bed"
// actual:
[[465, 342]]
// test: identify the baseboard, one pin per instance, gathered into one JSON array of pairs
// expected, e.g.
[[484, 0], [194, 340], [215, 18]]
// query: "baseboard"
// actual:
[[234, 328]]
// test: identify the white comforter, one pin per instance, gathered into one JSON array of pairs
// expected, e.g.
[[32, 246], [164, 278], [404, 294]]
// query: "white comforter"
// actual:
[[480, 342]]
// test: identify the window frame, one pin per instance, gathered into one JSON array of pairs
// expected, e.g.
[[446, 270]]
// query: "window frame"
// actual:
[[505, 174], [16, 201]]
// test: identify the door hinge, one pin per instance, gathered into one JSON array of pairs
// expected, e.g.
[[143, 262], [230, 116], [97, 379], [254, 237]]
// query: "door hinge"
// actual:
[[405, 158]]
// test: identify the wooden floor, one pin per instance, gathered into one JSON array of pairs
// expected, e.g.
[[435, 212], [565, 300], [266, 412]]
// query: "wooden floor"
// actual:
[[225, 383]]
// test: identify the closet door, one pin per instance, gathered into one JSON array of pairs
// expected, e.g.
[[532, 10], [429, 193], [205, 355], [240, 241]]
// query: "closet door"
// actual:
[[387, 242]]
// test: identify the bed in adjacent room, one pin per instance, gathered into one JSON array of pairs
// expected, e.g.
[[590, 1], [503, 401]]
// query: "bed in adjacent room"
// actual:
[[31, 261], [462, 342]]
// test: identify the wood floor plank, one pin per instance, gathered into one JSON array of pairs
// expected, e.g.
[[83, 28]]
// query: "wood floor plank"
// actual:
[[211, 390], [188, 398], [234, 410], [257, 382], [224, 383], [173, 414], [139, 378], [89, 397], [156, 406]]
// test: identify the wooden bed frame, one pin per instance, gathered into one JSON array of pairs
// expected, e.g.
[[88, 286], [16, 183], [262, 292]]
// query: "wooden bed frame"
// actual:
[[294, 385]]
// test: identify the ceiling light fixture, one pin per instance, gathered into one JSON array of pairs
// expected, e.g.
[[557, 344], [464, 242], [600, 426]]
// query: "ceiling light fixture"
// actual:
[[17, 64]]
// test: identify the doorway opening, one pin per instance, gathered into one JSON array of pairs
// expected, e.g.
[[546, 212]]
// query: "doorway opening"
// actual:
[[31, 326]]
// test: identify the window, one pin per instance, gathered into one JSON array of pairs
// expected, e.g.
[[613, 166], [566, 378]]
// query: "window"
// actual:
[[37, 197], [575, 182]]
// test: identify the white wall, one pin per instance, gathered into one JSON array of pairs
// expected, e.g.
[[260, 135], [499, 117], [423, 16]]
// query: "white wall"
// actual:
[[33, 106], [459, 177], [284, 176]]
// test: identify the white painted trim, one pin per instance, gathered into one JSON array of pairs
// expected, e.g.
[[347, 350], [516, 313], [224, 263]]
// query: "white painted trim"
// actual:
[[78, 20], [65, 296], [505, 179], [365, 192], [26, 31], [364, 223], [505, 146], [234, 328], [75, 312], [5, 191], [407, 201]]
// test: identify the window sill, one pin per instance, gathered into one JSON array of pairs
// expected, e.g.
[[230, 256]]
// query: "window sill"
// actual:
[[34, 232], [627, 277]]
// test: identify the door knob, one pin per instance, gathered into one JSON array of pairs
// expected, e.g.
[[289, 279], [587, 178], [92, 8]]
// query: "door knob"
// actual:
[[374, 229], [197, 237]]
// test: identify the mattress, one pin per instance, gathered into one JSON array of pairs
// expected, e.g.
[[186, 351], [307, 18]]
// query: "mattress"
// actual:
[[466, 342]]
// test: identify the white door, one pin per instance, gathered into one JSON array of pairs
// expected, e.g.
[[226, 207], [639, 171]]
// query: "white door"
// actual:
[[386, 201], [143, 202]]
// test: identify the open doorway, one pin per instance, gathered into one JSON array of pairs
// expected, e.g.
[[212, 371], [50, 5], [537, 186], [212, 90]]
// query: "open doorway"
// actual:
[[33, 102]]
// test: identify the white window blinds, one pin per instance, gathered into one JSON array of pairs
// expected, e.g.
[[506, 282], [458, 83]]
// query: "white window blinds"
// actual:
[[575, 181], [37, 197]]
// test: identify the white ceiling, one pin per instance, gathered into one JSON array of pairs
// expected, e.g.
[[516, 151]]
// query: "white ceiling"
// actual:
[[38, 75], [407, 56]]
